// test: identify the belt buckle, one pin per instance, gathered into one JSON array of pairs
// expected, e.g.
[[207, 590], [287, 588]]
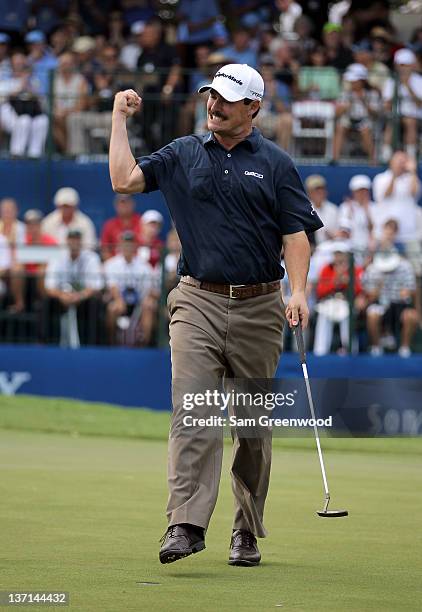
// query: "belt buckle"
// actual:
[[234, 297]]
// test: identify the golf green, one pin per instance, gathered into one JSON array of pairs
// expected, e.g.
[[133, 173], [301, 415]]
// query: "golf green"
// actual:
[[84, 513]]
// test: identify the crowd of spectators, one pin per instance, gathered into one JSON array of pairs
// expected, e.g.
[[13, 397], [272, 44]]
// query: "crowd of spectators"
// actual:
[[80, 290], [366, 265], [347, 53]]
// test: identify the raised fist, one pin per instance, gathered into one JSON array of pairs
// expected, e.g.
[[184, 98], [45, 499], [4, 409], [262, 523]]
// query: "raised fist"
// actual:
[[127, 102]]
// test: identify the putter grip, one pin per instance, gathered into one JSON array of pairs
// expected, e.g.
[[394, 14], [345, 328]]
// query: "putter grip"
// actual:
[[300, 343]]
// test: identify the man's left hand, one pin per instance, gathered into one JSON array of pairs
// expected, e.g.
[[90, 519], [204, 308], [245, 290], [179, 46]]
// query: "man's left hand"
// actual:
[[297, 310]]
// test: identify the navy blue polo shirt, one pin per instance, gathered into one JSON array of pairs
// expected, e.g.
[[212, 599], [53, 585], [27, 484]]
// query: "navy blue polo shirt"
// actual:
[[230, 208]]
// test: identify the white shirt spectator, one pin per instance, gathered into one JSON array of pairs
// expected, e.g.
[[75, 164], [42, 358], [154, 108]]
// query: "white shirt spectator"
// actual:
[[136, 274], [288, 19], [401, 205], [328, 213], [353, 216], [408, 106], [18, 233], [54, 226], [81, 273]]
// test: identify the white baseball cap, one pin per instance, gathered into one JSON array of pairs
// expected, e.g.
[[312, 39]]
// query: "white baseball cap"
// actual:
[[236, 82], [356, 72], [66, 195], [152, 216], [404, 56], [360, 181]]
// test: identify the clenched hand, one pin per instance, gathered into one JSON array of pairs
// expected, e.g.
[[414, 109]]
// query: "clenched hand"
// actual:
[[127, 102]]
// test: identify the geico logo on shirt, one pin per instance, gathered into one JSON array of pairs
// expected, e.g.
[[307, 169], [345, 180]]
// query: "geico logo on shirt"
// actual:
[[261, 176]]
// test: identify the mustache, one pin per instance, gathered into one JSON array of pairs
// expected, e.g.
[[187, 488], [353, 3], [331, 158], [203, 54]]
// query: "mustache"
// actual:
[[219, 115]]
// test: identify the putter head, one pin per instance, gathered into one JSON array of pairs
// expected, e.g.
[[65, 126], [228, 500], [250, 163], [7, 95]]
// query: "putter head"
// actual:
[[332, 513]]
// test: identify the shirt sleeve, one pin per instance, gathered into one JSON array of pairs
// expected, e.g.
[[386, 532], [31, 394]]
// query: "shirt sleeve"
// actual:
[[294, 209], [158, 168]]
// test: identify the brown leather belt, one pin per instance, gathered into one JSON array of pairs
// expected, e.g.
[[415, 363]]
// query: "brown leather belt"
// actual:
[[235, 292]]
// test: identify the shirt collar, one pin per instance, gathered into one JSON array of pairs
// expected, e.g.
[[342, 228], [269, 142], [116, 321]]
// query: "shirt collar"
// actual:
[[253, 141]]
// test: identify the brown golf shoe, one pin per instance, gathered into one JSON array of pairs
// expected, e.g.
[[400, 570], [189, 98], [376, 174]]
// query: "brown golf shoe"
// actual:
[[243, 549], [181, 541]]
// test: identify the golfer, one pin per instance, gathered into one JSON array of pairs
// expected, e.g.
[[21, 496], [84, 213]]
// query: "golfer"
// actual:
[[236, 199]]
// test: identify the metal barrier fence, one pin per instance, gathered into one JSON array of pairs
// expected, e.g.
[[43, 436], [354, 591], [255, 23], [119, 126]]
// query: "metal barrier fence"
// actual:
[[70, 114], [354, 298]]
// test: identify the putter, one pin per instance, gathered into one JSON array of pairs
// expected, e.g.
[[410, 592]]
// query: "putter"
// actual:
[[297, 330]]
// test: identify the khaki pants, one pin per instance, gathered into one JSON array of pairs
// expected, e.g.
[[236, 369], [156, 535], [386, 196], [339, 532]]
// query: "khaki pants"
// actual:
[[212, 337]]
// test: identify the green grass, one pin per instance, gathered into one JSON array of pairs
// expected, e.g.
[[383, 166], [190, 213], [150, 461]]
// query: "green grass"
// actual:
[[83, 513]]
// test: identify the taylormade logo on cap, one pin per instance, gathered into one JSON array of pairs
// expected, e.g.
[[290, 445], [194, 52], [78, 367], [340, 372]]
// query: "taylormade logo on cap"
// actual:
[[228, 76], [236, 82]]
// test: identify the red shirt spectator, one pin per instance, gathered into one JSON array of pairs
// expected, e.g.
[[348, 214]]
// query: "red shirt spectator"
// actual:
[[126, 219], [334, 277]]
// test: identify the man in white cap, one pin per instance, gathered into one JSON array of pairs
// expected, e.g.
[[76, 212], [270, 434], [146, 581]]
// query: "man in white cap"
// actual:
[[236, 199], [409, 102], [357, 108], [357, 213], [67, 217]]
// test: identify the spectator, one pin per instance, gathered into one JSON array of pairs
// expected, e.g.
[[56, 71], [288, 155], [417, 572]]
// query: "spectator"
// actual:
[[241, 50], [317, 81], [290, 11], [198, 21], [316, 186], [396, 192], [70, 96], [381, 41], [378, 72], [197, 77], [304, 43], [390, 285], [331, 291], [126, 219], [27, 280], [67, 217], [151, 245], [159, 71], [5, 67], [275, 118], [357, 109], [357, 212], [130, 52], [337, 55], [84, 55], [73, 282], [81, 124], [10, 226], [129, 280], [286, 67], [21, 114], [409, 103], [59, 41], [40, 59]]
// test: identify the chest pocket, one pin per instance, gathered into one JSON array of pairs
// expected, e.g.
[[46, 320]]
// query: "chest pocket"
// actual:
[[200, 182]]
